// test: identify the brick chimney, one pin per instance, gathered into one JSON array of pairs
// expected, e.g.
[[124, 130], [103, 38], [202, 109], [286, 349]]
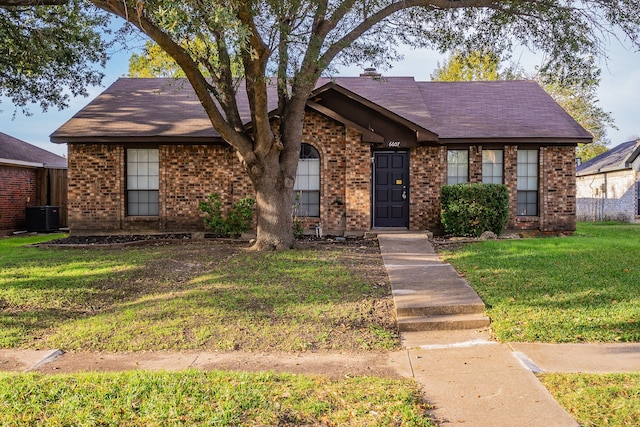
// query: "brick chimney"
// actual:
[[371, 72]]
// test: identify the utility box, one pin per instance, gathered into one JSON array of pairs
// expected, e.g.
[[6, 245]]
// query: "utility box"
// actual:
[[43, 219]]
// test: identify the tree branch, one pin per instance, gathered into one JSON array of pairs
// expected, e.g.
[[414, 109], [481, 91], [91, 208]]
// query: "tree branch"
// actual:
[[397, 6], [13, 3], [255, 57], [234, 137]]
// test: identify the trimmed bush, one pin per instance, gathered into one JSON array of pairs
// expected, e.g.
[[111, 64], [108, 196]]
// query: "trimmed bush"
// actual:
[[471, 209]]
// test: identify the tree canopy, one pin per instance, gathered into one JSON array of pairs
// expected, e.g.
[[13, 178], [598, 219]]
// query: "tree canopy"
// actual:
[[49, 53], [473, 66], [290, 43]]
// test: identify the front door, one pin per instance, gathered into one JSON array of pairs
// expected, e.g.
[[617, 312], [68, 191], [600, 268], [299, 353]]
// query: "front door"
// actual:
[[391, 189]]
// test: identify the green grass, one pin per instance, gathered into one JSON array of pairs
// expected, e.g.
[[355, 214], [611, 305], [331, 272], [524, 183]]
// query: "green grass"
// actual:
[[192, 398], [206, 296], [191, 296], [598, 400], [583, 288]]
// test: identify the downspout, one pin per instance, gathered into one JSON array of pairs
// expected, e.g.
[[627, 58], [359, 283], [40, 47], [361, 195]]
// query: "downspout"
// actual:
[[605, 195]]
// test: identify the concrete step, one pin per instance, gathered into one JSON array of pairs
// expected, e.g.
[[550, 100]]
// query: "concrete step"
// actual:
[[446, 322], [439, 309]]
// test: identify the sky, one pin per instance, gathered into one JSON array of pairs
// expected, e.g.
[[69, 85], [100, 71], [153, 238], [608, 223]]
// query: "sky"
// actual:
[[619, 93]]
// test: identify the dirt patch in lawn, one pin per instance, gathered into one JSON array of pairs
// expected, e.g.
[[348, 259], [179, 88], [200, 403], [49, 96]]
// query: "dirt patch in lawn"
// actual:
[[171, 262]]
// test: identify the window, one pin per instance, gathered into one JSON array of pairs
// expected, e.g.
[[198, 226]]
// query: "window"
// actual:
[[142, 182], [457, 166], [307, 185], [527, 182], [492, 166]]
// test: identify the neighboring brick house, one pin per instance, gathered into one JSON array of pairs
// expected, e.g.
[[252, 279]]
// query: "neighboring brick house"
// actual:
[[607, 185], [375, 154], [29, 176]]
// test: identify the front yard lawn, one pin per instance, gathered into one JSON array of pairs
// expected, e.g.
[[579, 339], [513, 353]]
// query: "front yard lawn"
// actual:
[[582, 288], [200, 296], [206, 296]]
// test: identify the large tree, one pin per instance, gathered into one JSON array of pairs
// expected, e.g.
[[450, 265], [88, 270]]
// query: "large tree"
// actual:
[[50, 50], [290, 43]]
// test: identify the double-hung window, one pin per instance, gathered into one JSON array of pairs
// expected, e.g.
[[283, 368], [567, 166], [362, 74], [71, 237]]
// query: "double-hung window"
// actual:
[[492, 166], [527, 185], [457, 166], [307, 185], [142, 182]]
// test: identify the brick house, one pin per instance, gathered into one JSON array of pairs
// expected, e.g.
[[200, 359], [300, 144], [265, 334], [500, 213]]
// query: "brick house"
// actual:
[[29, 176], [607, 186], [376, 152]]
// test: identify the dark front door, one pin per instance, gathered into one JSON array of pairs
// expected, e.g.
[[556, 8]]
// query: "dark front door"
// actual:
[[391, 189]]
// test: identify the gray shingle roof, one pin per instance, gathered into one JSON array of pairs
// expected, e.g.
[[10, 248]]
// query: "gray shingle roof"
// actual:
[[14, 150], [168, 108], [617, 158], [498, 109]]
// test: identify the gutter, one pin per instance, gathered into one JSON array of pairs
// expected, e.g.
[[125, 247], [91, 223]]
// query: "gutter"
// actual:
[[21, 163]]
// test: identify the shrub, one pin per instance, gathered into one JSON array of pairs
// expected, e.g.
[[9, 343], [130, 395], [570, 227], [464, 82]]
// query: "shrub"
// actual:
[[471, 209], [237, 221]]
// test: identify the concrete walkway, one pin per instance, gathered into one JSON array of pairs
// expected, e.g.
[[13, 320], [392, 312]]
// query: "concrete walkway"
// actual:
[[468, 378]]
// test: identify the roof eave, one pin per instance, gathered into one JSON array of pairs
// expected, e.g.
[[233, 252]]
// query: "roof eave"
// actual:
[[516, 140], [615, 168], [136, 139]]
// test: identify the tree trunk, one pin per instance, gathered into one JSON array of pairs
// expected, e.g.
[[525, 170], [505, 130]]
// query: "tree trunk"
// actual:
[[274, 214], [273, 180]]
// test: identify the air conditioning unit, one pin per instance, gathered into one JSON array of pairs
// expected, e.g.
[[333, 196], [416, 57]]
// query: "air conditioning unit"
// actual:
[[43, 219]]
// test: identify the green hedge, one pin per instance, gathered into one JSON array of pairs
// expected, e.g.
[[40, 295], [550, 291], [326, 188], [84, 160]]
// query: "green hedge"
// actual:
[[471, 209]]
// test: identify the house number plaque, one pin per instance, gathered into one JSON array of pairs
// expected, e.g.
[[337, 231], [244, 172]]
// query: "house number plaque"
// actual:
[[394, 144]]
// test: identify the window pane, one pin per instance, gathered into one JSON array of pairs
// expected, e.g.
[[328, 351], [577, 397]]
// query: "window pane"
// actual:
[[303, 167], [492, 166], [314, 167], [143, 181], [457, 166], [154, 156], [314, 182], [527, 183], [307, 186]]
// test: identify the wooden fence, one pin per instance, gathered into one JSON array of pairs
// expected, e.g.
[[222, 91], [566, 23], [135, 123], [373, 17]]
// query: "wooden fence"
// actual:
[[52, 191]]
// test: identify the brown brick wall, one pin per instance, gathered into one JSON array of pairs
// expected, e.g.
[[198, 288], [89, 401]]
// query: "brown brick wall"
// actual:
[[428, 173], [557, 205], [510, 179], [358, 183], [189, 173], [558, 188], [96, 187], [328, 137], [17, 191], [475, 164]]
